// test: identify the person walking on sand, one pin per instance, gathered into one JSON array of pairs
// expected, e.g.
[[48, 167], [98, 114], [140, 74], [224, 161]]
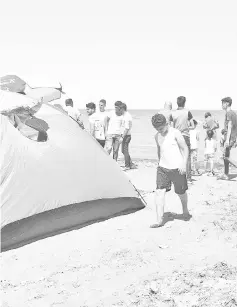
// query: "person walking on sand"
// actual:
[[210, 123], [73, 112], [182, 120], [230, 143], [114, 136], [210, 151], [167, 111], [194, 141], [127, 127], [102, 106], [172, 163], [98, 123]]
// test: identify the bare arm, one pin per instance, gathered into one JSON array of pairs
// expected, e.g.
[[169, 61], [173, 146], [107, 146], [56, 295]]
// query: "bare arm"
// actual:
[[229, 127], [92, 128], [106, 120], [183, 147], [158, 148], [128, 126]]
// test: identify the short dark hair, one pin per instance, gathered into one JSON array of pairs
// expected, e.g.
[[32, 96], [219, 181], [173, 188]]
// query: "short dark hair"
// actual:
[[158, 120], [210, 133], [228, 100], [124, 106], [91, 105], [207, 114], [223, 131], [195, 122], [181, 101], [118, 104], [69, 102], [103, 101]]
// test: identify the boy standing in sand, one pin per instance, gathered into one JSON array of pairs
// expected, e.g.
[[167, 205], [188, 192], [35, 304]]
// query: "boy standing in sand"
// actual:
[[98, 124], [230, 144], [182, 119], [127, 127], [210, 151], [194, 140], [114, 136], [172, 162]]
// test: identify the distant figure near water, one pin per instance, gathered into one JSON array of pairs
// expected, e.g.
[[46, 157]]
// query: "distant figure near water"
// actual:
[[210, 123], [114, 136], [230, 137], [127, 128], [167, 111], [182, 120], [98, 123]]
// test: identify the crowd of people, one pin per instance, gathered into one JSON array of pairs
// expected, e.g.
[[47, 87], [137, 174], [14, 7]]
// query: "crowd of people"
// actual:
[[177, 140], [177, 144]]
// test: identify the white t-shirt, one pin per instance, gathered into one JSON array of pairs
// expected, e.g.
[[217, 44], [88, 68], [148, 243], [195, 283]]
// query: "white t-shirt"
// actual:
[[98, 120], [210, 146], [115, 123], [73, 112], [127, 122], [194, 135]]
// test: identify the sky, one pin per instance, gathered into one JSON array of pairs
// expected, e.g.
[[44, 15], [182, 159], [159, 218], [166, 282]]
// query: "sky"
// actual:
[[140, 52]]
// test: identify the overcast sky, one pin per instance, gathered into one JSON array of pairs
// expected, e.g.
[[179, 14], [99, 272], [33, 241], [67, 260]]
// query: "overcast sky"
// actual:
[[140, 52]]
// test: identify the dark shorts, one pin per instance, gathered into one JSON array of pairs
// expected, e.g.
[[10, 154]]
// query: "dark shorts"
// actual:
[[165, 178], [101, 142]]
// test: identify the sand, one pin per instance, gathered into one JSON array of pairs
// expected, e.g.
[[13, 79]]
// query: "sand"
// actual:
[[123, 262]]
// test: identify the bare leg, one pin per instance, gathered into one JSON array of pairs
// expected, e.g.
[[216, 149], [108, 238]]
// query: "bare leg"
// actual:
[[160, 204], [211, 165], [184, 201]]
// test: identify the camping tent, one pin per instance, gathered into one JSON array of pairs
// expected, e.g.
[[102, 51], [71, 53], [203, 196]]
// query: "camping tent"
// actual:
[[64, 183]]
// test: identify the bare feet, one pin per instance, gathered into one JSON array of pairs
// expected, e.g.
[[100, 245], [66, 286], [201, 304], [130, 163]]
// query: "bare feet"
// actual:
[[187, 216], [157, 225]]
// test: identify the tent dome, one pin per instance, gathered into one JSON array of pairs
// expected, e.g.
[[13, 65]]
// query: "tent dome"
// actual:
[[66, 182]]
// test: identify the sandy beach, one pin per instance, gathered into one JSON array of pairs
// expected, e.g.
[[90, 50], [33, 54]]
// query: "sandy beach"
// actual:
[[123, 262]]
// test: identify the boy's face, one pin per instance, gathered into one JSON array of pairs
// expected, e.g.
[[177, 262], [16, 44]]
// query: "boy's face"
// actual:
[[118, 110], [90, 111], [102, 106], [225, 105], [162, 129]]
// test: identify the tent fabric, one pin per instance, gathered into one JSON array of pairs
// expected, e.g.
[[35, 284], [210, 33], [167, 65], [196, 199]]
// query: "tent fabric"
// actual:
[[69, 168], [47, 94], [12, 83], [10, 101]]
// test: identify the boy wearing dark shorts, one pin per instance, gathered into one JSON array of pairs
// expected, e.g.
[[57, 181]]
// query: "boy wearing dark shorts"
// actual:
[[172, 161]]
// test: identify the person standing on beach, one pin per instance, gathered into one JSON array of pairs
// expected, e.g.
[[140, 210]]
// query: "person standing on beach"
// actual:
[[210, 151], [127, 127], [194, 141], [98, 123], [172, 162], [211, 123], [230, 143], [167, 111], [102, 106], [114, 136], [73, 112], [182, 119]]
